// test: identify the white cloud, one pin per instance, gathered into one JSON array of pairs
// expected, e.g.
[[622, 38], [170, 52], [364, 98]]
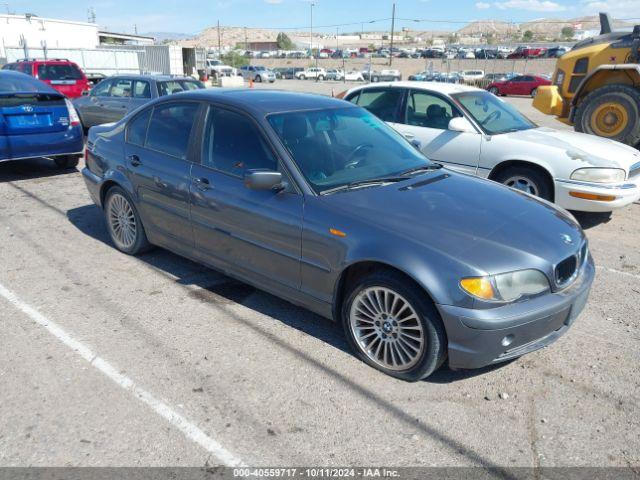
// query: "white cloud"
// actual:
[[482, 5], [617, 8], [532, 5]]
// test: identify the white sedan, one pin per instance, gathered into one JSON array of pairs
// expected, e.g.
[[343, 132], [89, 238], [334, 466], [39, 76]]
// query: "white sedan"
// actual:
[[473, 131]]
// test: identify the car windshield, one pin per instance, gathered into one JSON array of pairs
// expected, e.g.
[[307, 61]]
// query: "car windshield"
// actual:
[[338, 147], [494, 115], [177, 86]]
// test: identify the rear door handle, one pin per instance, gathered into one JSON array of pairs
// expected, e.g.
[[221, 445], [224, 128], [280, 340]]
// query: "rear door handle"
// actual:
[[202, 183], [134, 160], [159, 183]]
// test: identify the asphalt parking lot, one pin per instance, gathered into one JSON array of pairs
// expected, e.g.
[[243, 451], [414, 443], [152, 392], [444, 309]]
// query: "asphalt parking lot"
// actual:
[[111, 360]]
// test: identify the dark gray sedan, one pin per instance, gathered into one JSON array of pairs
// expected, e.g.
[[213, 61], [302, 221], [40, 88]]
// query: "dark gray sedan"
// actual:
[[114, 97], [319, 202]]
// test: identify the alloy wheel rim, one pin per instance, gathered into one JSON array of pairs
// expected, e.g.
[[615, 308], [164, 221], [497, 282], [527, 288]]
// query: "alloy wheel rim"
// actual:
[[122, 222], [523, 184], [387, 328]]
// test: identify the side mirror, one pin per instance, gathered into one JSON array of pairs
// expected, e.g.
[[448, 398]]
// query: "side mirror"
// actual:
[[461, 124], [416, 144], [263, 180]]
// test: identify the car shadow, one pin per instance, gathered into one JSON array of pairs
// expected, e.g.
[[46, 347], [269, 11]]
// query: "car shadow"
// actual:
[[219, 289], [589, 220], [13, 170]]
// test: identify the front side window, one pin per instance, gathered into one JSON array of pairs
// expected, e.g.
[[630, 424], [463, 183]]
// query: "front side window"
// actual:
[[382, 103], [233, 144], [494, 115], [102, 89], [428, 110], [336, 147], [170, 128]]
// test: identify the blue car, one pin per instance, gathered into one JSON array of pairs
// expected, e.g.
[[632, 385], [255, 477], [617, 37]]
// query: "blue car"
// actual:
[[37, 121]]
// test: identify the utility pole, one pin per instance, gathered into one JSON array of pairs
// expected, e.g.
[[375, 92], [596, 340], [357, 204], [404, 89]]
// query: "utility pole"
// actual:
[[311, 30], [246, 43], [219, 41], [393, 22]]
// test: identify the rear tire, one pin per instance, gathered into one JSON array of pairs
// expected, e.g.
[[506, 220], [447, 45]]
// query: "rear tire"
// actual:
[[527, 179], [534, 92], [64, 163], [602, 112], [303, 77], [258, 79], [409, 358], [123, 223]]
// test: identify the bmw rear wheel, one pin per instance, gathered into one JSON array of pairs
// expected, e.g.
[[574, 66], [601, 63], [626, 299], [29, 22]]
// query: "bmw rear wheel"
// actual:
[[394, 327], [123, 223]]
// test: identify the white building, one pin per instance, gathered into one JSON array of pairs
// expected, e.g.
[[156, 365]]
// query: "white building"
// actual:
[[31, 31]]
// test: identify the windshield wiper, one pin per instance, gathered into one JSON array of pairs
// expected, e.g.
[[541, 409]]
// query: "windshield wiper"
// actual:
[[363, 183], [424, 168]]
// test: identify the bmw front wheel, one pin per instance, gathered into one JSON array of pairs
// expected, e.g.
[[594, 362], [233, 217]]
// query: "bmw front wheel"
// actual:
[[394, 327]]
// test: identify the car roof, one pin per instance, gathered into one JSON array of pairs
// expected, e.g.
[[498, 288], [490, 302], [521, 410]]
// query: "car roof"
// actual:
[[157, 78], [263, 102], [440, 87]]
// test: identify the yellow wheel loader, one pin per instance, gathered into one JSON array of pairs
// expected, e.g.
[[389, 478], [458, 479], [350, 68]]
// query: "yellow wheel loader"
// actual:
[[596, 85]]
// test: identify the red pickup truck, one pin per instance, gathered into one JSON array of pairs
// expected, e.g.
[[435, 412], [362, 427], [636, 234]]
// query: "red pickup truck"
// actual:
[[527, 52]]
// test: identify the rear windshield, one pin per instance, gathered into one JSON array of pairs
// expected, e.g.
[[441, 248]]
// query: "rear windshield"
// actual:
[[35, 99], [177, 86], [21, 83], [62, 71]]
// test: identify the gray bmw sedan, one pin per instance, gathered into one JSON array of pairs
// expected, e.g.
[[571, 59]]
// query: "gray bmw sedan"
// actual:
[[319, 202]]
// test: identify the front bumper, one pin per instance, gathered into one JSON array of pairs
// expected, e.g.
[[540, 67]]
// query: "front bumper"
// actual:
[[625, 194], [94, 184], [477, 338]]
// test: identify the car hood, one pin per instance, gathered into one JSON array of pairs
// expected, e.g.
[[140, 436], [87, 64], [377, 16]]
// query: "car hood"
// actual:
[[586, 150], [483, 224]]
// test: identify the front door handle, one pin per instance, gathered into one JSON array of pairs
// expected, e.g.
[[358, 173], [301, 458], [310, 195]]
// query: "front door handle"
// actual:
[[409, 135], [134, 160], [202, 183]]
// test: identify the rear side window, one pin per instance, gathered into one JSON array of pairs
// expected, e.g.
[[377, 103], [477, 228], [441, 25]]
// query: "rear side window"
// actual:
[[61, 71], [121, 88], [382, 103], [177, 86], [102, 89], [233, 144], [170, 128], [141, 89], [137, 128]]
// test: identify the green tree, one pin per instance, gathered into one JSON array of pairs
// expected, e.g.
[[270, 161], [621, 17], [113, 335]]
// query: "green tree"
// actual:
[[568, 32], [527, 36], [234, 59], [284, 42]]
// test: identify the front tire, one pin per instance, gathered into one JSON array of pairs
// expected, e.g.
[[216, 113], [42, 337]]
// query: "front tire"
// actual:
[[67, 162], [123, 223], [612, 111], [527, 179], [534, 92], [258, 79], [393, 326], [495, 91]]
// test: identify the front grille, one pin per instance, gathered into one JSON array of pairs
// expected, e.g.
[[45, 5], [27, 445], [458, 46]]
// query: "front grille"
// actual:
[[567, 270]]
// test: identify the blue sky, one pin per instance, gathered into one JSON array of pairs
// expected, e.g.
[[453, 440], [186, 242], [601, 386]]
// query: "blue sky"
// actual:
[[191, 16]]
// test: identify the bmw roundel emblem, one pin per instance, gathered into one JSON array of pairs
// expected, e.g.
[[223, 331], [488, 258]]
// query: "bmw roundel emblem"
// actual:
[[567, 239]]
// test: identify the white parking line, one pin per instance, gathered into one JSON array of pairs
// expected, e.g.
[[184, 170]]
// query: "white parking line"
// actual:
[[188, 428], [619, 272]]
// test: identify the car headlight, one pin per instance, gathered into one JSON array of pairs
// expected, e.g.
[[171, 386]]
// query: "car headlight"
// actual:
[[506, 287], [599, 175], [559, 78]]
